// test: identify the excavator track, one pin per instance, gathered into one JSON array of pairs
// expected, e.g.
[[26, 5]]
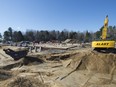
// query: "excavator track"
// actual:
[[105, 50]]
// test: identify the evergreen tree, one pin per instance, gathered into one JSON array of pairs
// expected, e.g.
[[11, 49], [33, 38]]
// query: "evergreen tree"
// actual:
[[10, 30], [6, 36], [0, 35]]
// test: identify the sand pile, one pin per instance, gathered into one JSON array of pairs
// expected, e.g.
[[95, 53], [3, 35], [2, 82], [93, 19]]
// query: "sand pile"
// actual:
[[94, 61]]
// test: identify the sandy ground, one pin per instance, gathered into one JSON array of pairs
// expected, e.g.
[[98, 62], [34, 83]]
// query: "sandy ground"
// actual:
[[72, 68]]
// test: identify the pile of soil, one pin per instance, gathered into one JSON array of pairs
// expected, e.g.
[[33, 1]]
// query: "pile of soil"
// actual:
[[94, 61]]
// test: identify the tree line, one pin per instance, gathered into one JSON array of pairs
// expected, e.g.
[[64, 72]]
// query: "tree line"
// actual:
[[45, 35]]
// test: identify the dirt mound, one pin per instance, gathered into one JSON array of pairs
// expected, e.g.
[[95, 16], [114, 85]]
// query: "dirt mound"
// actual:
[[94, 61], [26, 82]]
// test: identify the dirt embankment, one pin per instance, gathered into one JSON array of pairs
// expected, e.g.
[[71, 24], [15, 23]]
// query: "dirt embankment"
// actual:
[[94, 61], [90, 69]]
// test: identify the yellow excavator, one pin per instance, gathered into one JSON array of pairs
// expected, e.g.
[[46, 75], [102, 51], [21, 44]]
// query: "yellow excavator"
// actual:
[[104, 45]]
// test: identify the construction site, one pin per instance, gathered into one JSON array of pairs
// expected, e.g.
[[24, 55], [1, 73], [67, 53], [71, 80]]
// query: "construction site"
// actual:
[[74, 66], [66, 64], [57, 43]]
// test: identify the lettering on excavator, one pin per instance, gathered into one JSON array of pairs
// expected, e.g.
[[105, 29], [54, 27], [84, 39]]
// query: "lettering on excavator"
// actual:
[[102, 44]]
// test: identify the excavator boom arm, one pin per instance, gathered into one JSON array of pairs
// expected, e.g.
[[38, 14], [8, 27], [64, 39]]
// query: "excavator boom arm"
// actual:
[[104, 43], [104, 31]]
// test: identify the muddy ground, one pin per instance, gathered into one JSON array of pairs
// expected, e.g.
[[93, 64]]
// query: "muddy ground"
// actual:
[[72, 68]]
